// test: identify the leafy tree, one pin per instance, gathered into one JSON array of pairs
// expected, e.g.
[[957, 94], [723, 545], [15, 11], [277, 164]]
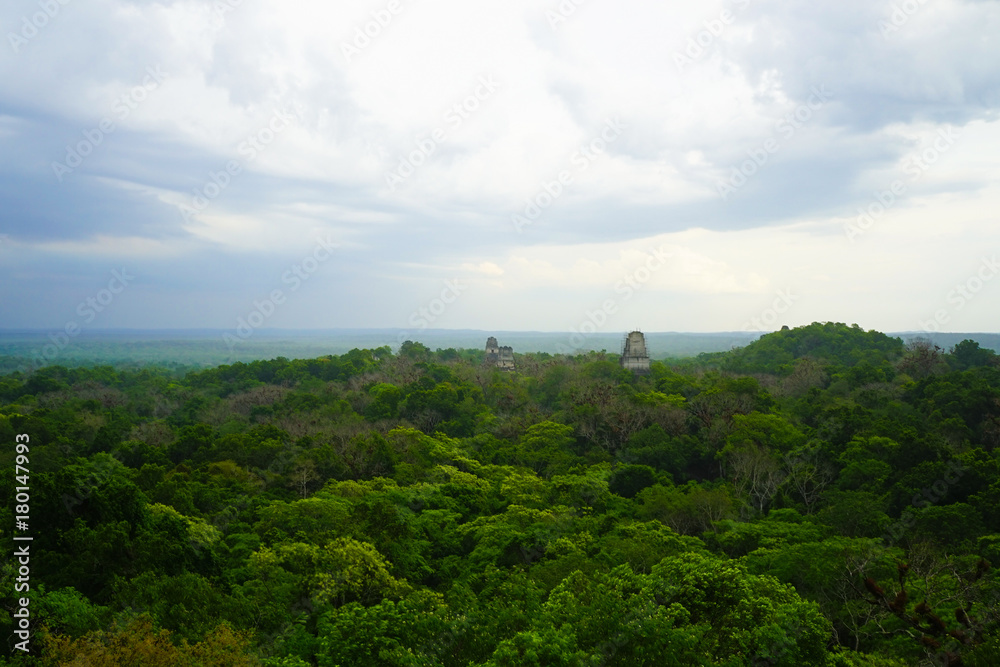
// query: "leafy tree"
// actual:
[[818, 497], [630, 479], [138, 643], [690, 510], [968, 354], [546, 447]]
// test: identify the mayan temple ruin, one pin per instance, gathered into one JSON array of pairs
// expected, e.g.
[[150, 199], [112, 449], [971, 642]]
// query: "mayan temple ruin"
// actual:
[[635, 357], [501, 357]]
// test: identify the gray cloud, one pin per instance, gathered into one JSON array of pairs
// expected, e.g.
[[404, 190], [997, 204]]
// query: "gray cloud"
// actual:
[[892, 89]]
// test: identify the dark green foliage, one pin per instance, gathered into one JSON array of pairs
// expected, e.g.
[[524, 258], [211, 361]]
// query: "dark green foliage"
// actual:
[[829, 343], [968, 354], [630, 479], [823, 496]]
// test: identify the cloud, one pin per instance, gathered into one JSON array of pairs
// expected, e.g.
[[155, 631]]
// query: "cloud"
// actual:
[[486, 268], [709, 96]]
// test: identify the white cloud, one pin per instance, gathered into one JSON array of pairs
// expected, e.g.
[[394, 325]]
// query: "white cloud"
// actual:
[[656, 182]]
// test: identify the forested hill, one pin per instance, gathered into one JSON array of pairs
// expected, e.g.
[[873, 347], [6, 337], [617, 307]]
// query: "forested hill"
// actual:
[[827, 343], [823, 496]]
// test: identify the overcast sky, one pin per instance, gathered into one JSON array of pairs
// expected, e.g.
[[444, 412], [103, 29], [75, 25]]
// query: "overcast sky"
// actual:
[[500, 165]]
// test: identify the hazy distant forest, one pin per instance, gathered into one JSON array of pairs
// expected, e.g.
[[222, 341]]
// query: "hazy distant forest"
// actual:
[[824, 496]]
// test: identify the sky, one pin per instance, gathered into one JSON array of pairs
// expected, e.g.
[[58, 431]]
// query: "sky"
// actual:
[[499, 165]]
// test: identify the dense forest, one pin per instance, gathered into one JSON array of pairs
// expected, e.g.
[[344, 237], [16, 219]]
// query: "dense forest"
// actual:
[[823, 496]]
